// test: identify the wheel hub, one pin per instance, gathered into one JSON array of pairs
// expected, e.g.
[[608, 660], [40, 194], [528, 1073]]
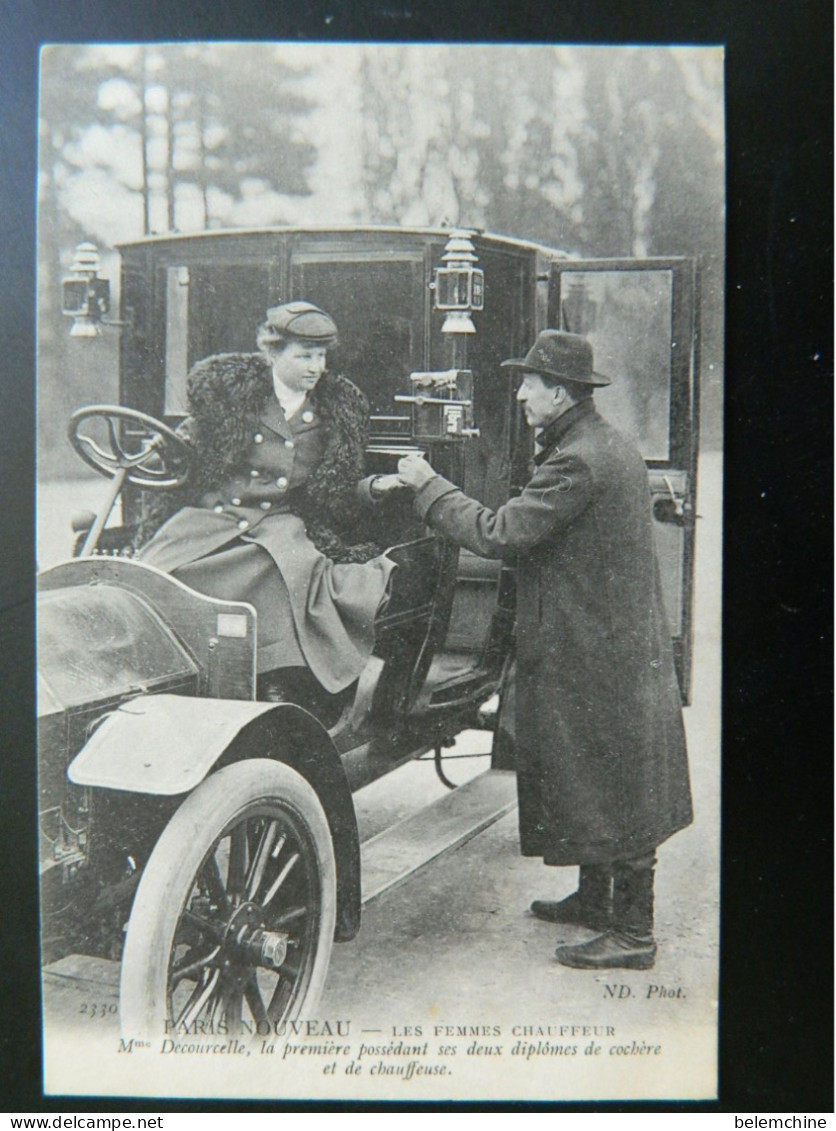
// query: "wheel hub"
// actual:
[[246, 937], [269, 948]]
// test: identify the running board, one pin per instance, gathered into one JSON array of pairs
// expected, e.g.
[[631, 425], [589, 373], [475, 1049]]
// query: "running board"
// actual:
[[397, 853]]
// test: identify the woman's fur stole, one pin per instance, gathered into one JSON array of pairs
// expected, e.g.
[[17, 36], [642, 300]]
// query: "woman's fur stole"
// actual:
[[226, 395]]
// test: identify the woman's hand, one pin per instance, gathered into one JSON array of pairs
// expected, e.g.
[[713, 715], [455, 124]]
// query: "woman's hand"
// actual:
[[414, 471], [383, 485]]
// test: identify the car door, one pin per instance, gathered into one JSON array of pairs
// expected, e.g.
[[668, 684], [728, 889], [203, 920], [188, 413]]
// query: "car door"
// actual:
[[640, 317]]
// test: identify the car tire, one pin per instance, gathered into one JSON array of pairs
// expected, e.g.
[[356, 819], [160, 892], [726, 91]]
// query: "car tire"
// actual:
[[233, 921]]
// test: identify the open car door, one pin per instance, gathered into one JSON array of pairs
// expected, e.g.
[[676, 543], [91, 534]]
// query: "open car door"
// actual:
[[640, 317]]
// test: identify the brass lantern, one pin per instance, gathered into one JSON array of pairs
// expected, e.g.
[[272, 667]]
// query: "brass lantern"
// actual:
[[84, 296], [459, 286]]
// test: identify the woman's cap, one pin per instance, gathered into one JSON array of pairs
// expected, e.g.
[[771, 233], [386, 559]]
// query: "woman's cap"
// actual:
[[299, 320]]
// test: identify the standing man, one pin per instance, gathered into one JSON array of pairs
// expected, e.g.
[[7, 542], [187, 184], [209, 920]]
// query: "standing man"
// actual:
[[601, 760]]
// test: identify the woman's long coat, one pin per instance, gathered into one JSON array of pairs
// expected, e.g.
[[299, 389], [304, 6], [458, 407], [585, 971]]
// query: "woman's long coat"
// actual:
[[602, 765], [270, 512]]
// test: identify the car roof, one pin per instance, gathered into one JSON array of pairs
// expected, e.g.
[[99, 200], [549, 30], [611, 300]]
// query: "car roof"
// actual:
[[479, 235]]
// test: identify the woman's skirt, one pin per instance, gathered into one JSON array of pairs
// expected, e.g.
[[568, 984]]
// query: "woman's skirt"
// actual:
[[311, 611]]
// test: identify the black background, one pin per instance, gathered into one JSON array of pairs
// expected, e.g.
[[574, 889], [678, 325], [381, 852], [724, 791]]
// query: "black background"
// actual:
[[776, 1049]]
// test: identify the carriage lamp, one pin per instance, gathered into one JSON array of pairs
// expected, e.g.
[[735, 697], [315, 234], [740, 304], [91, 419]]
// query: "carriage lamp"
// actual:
[[84, 296], [459, 286]]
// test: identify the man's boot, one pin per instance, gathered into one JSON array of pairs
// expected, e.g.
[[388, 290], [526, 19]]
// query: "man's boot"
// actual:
[[589, 906], [629, 942]]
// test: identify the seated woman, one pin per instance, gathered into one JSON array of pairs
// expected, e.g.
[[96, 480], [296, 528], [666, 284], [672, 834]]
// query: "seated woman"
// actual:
[[276, 489]]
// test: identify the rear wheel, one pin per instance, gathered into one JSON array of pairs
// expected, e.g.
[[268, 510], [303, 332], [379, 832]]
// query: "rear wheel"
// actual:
[[233, 920]]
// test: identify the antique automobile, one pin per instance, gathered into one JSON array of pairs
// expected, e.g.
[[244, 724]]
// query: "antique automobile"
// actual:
[[203, 838]]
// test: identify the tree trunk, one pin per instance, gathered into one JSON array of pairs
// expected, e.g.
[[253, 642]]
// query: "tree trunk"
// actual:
[[146, 191], [170, 184]]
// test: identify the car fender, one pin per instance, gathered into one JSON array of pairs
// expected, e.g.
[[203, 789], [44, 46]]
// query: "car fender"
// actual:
[[165, 745]]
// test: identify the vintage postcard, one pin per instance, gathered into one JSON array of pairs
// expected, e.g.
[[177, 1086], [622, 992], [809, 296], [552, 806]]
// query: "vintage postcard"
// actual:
[[379, 534]]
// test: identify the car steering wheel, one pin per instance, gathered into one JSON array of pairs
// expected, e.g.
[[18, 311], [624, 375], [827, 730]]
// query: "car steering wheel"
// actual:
[[147, 453]]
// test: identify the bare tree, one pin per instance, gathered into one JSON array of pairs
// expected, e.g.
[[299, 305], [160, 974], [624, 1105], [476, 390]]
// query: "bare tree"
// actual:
[[602, 151], [198, 118]]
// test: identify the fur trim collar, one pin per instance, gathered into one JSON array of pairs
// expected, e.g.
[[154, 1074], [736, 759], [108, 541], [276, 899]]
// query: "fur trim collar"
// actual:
[[227, 393]]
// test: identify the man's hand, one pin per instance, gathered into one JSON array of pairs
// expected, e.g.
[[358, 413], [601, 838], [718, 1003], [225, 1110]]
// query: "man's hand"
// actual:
[[415, 471]]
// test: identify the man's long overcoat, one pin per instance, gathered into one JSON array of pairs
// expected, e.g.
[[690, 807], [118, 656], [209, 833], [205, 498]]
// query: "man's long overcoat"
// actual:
[[601, 759]]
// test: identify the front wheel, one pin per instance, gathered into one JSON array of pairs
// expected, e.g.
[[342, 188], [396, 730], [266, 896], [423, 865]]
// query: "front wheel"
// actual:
[[233, 920]]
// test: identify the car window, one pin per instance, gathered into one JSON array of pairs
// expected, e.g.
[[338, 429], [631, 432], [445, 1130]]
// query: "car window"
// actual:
[[627, 318]]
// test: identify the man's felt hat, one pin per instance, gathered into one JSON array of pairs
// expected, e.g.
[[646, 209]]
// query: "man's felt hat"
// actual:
[[561, 356], [299, 320]]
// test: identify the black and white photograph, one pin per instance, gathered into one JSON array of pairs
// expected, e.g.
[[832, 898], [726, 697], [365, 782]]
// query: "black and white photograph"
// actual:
[[379, 537]]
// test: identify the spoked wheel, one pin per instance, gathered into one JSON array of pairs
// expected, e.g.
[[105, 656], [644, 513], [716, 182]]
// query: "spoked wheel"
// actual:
[[233, 920]]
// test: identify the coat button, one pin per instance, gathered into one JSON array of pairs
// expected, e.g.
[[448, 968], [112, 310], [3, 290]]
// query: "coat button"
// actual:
[[236, 502], [289, 444], [218, 508], [281, 482], [258, 438], [243, 524], [254, 473], [307, 416], [265, 505]]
